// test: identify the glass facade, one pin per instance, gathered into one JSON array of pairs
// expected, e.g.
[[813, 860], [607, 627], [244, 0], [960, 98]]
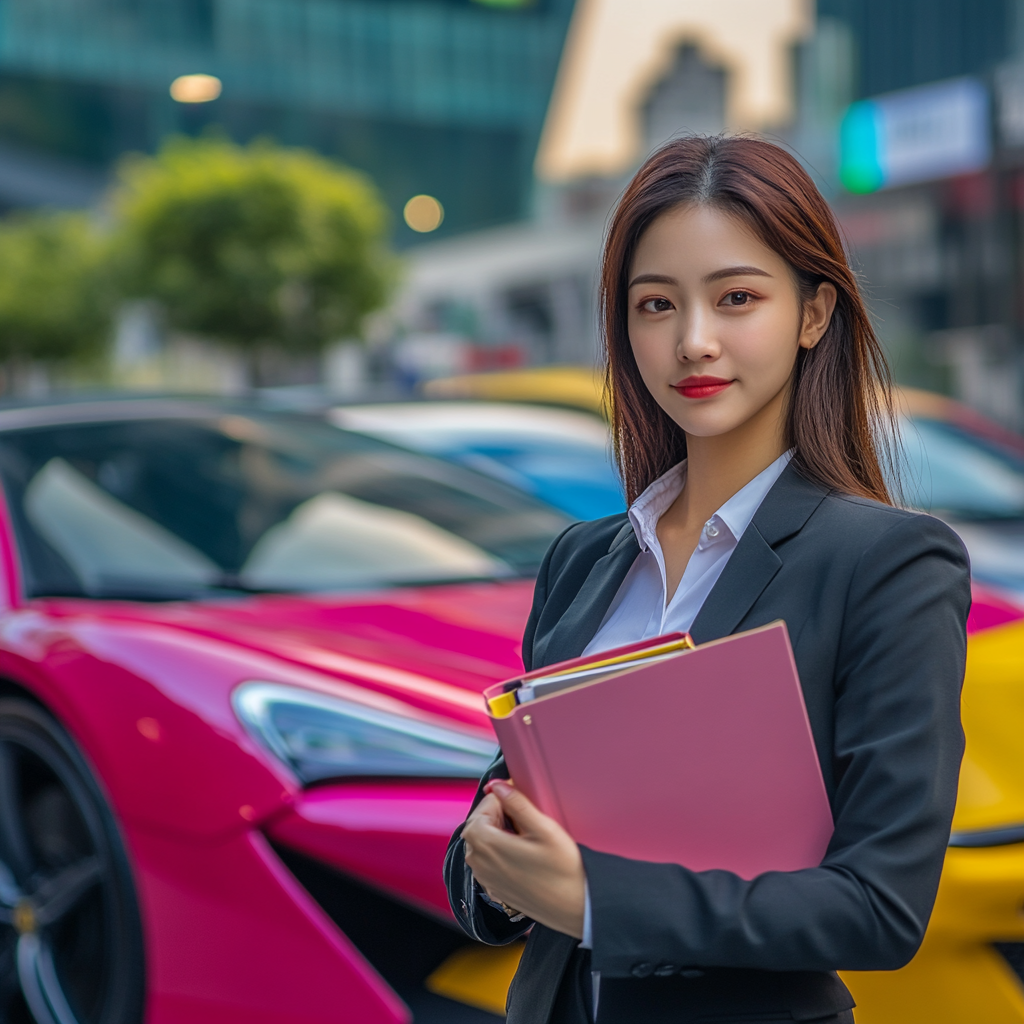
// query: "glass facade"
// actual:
[[445, 97], [902, 43]]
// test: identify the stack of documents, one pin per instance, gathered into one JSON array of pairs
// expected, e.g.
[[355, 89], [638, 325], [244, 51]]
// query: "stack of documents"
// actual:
[[583, 670], [663, 751]]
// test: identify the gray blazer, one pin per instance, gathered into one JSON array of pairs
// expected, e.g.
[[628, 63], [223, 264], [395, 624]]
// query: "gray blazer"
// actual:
[[876, 602]]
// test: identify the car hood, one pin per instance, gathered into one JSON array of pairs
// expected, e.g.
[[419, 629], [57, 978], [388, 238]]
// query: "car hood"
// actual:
[[435, 647]]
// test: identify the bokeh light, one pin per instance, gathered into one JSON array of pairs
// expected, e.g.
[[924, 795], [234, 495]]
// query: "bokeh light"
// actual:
[[195, 88], [423, 213]]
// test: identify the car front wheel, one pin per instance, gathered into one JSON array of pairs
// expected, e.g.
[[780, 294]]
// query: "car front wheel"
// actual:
[[70, 934]]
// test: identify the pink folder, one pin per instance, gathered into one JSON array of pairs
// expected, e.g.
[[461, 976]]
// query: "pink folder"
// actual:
[[705, 759]]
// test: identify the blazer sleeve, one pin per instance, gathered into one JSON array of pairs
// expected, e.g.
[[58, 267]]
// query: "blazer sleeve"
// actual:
[[897, 750], [477, 918]]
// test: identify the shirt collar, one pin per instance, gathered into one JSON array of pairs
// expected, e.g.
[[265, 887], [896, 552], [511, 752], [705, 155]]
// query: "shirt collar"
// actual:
[[735, 515]]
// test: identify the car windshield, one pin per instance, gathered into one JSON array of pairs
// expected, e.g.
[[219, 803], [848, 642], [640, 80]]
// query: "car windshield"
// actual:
[[167, 507], [950, 470]]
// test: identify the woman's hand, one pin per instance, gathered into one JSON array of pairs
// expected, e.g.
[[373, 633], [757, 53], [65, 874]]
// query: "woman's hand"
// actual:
[[537, 869]]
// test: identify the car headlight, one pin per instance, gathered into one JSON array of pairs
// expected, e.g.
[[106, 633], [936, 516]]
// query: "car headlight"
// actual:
[[323, 737]]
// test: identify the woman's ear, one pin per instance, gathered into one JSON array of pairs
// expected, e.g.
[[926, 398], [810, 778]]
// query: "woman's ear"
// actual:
[[818, 315]]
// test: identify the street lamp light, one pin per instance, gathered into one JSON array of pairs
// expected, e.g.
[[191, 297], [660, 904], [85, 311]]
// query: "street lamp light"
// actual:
[[195, 88], [423, 213]]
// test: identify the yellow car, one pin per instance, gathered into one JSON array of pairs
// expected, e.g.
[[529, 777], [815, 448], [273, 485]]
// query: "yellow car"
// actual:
[[970, 968], [574, 387]]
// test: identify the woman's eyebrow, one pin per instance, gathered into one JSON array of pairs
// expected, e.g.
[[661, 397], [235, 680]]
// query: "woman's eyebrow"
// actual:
[[717, 275], [652, 279]]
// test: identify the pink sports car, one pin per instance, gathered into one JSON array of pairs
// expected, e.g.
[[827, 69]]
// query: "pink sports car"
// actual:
[[241, 655]]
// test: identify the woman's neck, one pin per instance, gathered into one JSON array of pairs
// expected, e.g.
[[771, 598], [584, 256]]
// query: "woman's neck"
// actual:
[[718, 467]]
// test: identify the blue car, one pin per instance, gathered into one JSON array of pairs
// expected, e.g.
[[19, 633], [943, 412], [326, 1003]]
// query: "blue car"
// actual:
[[560, 456]]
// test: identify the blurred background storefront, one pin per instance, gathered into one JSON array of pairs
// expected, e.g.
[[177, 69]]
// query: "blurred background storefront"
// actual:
[[927, 179], [498, 134]]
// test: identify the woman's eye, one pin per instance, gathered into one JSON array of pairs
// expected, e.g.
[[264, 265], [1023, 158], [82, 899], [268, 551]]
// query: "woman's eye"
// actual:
[[737, 298], [656, 305]]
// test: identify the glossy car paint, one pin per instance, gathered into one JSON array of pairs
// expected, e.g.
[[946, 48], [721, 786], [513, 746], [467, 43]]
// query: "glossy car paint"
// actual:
[[145, 690], [392, 836]]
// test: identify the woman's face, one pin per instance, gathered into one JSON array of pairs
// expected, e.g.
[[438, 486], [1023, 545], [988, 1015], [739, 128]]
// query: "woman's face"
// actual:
[[715, 320]]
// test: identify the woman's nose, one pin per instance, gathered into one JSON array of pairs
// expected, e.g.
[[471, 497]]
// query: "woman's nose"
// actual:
[[696, 338]]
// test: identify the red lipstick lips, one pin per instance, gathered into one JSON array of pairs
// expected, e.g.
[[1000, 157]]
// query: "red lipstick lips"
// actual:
[[701, 387]]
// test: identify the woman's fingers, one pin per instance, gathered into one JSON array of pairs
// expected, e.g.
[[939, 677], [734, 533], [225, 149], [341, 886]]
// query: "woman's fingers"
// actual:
[[519, 809], [537, 868], [488, 810], [486, 820]]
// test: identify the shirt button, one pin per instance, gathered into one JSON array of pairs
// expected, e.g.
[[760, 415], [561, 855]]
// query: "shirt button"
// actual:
[[642, 970], [691, 973], [711, 529]]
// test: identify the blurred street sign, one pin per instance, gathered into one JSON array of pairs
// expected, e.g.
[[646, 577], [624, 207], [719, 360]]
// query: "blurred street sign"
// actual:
[[934, 131]]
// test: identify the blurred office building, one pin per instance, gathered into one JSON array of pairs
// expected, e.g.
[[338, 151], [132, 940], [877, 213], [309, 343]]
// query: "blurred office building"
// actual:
[[444, 98], [911, 114]]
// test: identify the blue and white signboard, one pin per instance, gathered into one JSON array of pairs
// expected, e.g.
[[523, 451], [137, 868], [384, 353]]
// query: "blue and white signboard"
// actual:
[[934, 131]]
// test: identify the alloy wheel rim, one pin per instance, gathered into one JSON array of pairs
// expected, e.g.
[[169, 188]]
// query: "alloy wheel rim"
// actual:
[[55, 912]]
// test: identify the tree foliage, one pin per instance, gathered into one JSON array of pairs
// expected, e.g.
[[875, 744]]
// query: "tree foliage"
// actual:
[[53, 300], [254, 245]]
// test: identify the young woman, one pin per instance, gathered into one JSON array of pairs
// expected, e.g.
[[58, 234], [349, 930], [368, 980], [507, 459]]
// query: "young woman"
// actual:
[[750, 404]]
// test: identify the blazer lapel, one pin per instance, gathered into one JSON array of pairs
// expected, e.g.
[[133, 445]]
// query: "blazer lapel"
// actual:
[[746, 574], [754, 563], [580, 621]]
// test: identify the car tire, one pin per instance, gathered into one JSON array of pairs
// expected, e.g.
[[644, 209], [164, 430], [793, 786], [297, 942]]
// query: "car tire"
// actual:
[[71, 949]]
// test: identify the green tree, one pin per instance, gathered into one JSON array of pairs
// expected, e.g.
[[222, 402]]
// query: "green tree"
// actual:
[[53, 301], [257, 246]]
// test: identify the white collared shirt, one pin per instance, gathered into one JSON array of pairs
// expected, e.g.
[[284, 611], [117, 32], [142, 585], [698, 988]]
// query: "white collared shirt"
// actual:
[[639, 609]]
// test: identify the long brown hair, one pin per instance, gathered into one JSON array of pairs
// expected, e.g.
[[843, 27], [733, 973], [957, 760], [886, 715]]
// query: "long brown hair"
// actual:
[[840, 419]]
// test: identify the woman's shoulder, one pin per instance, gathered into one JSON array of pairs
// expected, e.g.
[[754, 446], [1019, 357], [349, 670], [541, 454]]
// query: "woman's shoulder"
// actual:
[[863, 523], [866, 511]]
